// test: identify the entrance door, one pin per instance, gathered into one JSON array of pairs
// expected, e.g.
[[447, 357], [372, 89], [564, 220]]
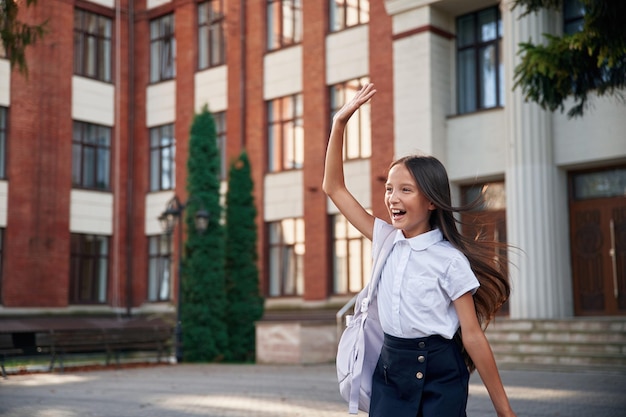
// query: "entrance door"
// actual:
[[598, 250]]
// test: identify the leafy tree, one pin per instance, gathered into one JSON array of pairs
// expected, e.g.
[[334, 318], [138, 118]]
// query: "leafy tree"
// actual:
[[593, 59], [245, 304], [203, 301], [15, 35]]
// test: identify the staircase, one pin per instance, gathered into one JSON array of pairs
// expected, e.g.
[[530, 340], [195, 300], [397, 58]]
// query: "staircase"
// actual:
[[569, 344]]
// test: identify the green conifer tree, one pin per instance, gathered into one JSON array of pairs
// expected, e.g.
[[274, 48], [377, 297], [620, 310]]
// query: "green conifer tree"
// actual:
[[245, 304], [203, 302]]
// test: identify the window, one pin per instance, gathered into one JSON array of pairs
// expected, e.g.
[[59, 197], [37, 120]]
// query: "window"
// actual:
[[284, 23], [220, 133], [91, 156], [600, 184], [159, 268], [285, 133], [286, 249], [89, 260], [573, 16], [488, 221], [162, 161], [92, 45], [4, 121], [162, 49], [358, 133], [480, 72], [347, 13], [352, 257], [211, 46]]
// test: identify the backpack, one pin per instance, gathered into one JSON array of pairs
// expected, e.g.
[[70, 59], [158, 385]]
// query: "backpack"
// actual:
[[362, 340]]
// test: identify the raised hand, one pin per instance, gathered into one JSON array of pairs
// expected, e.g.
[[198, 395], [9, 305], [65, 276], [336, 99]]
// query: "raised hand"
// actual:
[[362, 96]]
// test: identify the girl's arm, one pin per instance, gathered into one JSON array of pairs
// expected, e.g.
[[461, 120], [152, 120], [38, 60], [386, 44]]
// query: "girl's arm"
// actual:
[[477, 346], [334, 185]]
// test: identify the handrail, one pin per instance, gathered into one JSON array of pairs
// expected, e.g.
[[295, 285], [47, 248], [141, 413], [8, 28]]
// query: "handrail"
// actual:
[[340, 315]]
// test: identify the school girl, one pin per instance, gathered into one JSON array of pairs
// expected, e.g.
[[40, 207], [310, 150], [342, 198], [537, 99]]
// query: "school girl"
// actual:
[[437, 291]]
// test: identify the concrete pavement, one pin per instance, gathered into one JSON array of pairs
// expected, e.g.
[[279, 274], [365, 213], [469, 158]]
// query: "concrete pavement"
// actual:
[[213, 390]]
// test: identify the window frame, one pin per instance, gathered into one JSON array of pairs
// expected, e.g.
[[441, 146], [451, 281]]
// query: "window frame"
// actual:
[[220, 134], [84, 258], [282, 144], [339, 12], [160, 149], [160, 268], [344, 243], [286, 258], [210, 33], [476, 45], [358, 132], [102, 42], [84, 144], [574, 22], [278, 39], [162, 31]]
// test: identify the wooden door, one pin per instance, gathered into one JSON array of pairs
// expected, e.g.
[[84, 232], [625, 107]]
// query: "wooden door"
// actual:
[[598, 250]]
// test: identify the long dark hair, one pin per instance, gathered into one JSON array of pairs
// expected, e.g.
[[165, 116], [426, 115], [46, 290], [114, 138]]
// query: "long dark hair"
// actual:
[[491, 270]]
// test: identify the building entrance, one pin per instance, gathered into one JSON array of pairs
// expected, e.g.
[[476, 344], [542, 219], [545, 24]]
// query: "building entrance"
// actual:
[[598, 242]]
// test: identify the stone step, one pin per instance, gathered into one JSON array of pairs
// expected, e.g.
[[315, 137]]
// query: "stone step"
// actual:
[[564, 344]]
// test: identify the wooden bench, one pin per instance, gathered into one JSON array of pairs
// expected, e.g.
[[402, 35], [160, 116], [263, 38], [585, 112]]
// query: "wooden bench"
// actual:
[[7, 348], [111, 341]]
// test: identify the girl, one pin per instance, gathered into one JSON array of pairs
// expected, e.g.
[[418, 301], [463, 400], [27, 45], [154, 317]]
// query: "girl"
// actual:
[[437, 290]]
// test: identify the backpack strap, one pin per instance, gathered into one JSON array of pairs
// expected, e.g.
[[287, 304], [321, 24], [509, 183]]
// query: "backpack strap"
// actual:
[[379, 261]]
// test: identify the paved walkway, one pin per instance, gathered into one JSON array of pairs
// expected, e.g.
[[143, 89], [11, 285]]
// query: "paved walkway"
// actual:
[[277, 391]]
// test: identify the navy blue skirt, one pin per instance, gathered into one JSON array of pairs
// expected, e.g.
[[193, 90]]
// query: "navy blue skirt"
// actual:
[[424, 377]]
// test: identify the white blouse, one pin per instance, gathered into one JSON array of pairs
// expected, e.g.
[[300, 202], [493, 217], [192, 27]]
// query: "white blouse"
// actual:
[[421, 278]]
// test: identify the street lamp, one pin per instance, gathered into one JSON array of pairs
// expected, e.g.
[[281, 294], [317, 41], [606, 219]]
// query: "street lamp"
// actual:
[[169, 217]]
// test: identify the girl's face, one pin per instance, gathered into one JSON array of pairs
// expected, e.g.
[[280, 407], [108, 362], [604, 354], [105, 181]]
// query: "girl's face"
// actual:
[[408, 208]]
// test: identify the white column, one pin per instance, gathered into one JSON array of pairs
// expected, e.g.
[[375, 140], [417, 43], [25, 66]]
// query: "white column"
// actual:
[[536, 189]]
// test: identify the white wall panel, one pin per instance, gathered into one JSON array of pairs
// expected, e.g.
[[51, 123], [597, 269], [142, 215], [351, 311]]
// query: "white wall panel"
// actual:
[[161, 104], [93, 101], [4, 199], [357, 175], [476, 146], [599, 135], [211, 87], [283, 195], [5, 83], [151, 4], [347, 55], [105, 3], [155, 204], [282, 73], [91, 212]]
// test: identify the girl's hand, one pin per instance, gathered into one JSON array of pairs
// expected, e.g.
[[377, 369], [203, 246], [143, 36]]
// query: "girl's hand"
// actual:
[[362, 96]]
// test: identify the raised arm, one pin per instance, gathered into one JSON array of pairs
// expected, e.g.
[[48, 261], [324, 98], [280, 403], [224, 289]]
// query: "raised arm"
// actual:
[[334, 184]]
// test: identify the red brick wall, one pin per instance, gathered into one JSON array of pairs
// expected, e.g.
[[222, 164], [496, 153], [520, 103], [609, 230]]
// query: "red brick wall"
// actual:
[[254, 118], [140, 166], [120, 248], [381, 71], [316, 259], [36, 261]]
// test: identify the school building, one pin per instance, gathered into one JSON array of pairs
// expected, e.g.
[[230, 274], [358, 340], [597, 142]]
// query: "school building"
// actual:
[[94, 143]]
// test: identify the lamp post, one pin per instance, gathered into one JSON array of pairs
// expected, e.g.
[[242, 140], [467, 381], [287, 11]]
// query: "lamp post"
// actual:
[[169, 217]]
